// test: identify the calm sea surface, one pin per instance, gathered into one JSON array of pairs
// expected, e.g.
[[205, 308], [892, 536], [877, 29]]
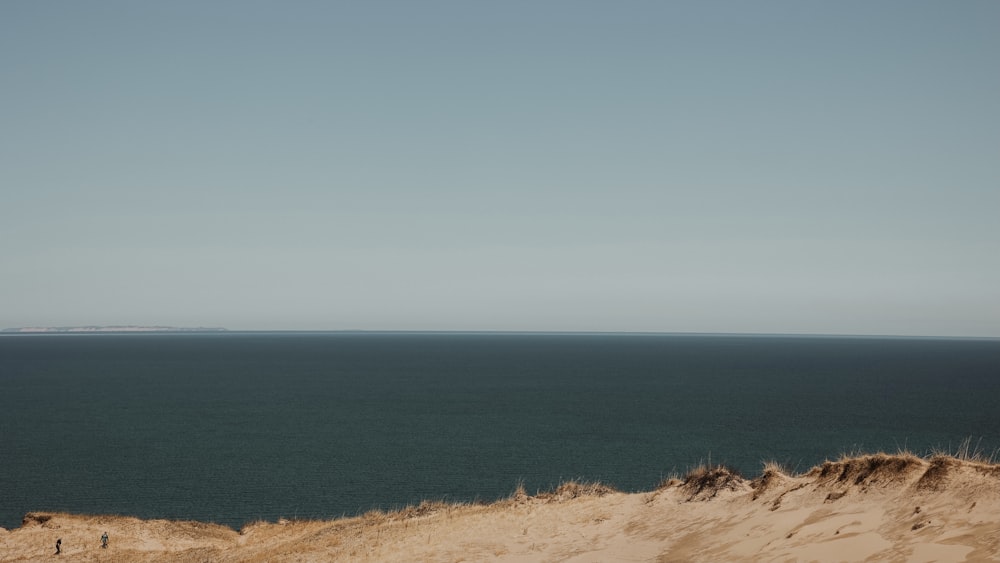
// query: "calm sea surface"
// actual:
[[235, 427]]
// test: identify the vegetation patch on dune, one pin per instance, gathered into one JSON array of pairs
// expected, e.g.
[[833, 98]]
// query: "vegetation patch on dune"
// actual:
[[705, 482], [867, 470]]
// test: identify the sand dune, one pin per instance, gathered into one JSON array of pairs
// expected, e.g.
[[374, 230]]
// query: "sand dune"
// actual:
[[875, 507]]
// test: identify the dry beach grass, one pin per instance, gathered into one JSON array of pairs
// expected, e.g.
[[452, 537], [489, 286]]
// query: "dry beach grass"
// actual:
[[872, 507]]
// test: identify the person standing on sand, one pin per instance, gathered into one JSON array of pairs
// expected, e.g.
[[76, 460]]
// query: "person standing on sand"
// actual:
[[104, 540], [58, 546]]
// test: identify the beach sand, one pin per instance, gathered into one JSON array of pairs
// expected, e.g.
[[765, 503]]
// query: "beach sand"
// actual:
[[877, 507]]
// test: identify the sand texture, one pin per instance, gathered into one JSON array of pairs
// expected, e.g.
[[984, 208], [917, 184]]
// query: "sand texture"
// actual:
[[866, 508]]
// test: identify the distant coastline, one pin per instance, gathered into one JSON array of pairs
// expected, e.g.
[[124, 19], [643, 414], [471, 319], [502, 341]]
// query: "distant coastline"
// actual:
[[102, 329]]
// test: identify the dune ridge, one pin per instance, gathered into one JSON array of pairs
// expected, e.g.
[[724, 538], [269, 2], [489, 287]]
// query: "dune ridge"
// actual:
[[872, 507]]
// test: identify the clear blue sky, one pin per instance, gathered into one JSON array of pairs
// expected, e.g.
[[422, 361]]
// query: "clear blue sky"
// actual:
[[790, 167]]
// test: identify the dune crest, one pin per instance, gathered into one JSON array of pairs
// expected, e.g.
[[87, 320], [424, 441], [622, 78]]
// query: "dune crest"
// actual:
[[877, 507]]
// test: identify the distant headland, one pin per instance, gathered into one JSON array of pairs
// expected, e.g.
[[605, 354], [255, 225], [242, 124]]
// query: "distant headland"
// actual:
[[113, 328]]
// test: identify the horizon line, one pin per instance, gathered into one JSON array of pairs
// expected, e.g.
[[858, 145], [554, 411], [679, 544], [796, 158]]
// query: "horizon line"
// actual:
[[99, 330]]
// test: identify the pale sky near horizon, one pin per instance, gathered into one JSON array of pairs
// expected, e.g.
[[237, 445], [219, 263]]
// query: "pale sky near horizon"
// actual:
[[764, 167]]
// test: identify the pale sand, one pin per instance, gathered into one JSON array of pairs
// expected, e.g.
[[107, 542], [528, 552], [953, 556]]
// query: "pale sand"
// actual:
[[868, 508]]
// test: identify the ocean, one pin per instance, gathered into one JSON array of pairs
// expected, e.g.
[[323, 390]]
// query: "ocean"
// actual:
[[238, 427]]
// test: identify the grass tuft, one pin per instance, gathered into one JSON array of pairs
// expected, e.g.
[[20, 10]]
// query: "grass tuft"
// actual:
[[706, 481], [967, 452], [572, 489]]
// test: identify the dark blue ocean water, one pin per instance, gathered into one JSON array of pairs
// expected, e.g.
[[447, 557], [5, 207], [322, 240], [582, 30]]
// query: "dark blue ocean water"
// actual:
[[234, 427]]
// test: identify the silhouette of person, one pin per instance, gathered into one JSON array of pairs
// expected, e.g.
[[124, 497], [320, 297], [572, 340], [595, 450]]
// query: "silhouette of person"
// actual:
[[104, 540], [58, 546]]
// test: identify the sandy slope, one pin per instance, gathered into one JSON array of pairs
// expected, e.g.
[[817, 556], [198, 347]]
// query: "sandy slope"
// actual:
[[877, 507]]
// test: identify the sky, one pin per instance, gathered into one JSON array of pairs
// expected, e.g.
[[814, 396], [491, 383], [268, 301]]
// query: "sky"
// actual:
[[741, 167]]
